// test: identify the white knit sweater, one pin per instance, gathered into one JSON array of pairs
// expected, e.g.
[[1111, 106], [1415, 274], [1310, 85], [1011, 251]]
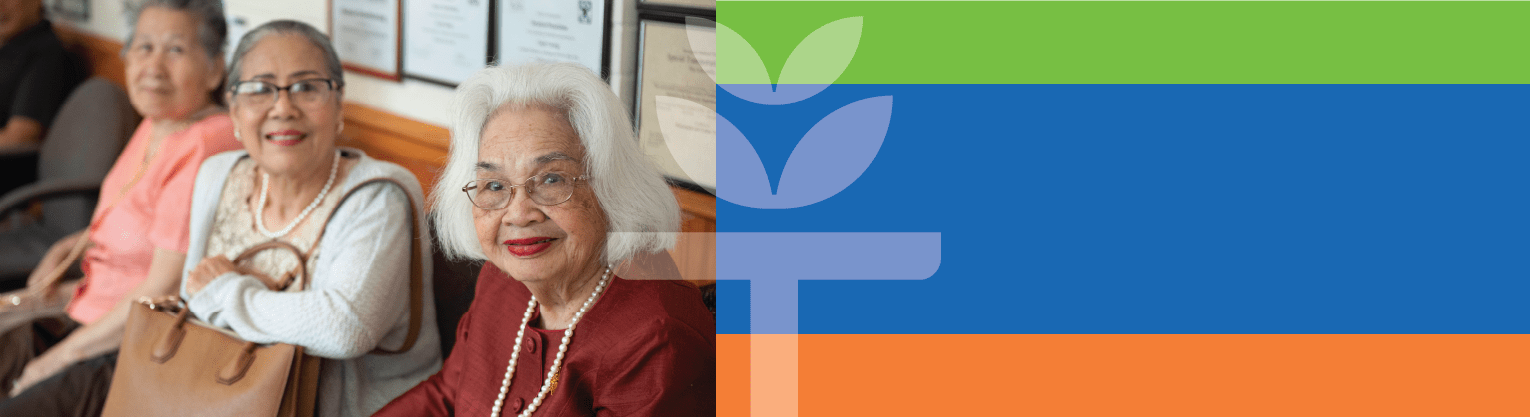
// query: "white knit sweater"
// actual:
[[358, 299]]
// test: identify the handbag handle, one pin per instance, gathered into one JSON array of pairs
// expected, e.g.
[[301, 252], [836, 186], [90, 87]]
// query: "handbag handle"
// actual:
[[171, 341], [168, 344], [286, 281], [235, 369]]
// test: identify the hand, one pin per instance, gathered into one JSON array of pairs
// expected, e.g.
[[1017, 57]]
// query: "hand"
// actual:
[[206, 271], [42, 368], [37, 282]]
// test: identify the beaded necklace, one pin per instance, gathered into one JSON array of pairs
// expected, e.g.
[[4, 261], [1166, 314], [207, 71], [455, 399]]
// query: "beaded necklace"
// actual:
[[551, 381], [265, 187]]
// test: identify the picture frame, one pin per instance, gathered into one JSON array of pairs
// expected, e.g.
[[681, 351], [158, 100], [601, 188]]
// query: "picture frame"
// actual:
[[368, 36], [446, 41], [555, 30], [676, 103]]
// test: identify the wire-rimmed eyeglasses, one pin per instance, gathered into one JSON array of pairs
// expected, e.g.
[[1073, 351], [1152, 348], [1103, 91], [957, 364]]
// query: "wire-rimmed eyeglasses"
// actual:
[[547, 189], [262, 95]]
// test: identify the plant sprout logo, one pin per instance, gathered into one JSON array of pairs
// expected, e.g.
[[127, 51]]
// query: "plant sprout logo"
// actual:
[[827, 160]]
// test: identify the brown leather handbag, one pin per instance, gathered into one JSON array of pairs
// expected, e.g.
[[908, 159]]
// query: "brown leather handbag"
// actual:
[[171, 364]]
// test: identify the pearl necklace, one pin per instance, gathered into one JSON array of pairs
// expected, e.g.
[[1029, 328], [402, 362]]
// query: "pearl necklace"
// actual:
[[265, 188], [552, 376]]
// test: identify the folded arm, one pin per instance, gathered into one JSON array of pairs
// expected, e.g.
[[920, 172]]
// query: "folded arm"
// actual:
[[359, 289]]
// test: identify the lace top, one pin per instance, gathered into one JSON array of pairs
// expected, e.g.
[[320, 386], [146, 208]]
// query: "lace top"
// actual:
[[234, 224]]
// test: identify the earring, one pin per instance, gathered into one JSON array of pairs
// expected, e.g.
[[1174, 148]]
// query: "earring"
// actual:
[[236, 135]]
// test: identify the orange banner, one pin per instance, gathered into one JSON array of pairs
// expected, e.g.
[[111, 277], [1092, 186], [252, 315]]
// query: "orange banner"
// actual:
[[1144, 375]]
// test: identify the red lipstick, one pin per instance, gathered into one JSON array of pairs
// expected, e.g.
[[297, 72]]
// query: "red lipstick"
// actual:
[[528, 246]]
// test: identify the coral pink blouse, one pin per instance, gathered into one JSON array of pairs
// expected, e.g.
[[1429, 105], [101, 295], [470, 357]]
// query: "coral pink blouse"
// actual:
[[155, 213]]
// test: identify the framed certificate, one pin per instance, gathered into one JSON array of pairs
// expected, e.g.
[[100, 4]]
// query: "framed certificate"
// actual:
[[556, 30], [677, 101], [445, 41], [367, 35]]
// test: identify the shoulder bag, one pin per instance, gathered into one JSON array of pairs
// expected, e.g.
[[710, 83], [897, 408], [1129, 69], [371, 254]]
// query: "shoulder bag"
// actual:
[[171, 364]]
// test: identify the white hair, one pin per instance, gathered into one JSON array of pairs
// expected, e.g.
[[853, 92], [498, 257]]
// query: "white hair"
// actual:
[[641, 212]]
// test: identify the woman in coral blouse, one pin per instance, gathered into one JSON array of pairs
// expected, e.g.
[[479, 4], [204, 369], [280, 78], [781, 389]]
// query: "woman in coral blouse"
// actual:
[[138, 239]]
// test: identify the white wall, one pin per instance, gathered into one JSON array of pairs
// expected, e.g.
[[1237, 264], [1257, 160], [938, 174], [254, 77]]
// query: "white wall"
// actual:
[[417, 100]]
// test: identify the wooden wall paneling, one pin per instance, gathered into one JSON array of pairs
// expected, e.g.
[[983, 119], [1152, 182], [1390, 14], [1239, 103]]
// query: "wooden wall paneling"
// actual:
[[103, 55], [422, 149], [419, 147], [695, 253]]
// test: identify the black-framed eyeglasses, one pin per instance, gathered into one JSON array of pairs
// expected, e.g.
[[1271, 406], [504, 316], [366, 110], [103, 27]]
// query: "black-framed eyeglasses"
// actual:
[[262, 95], [547, 189]]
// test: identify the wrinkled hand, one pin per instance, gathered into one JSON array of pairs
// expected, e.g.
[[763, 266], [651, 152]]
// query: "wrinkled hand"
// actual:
[[42, 368], [37, 284], [206, 271]]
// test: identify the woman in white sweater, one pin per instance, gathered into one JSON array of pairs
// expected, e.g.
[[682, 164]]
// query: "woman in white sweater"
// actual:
[[287, 182]]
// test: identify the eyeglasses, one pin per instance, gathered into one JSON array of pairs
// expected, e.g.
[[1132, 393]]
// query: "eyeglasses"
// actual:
[[547, 189], [262, 95]]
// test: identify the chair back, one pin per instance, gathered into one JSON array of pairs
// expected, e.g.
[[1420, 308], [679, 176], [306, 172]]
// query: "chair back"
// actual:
[[84, 141], [454, 282]]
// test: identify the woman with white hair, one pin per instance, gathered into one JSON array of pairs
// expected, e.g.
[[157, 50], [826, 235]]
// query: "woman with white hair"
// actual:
[[555, 194]]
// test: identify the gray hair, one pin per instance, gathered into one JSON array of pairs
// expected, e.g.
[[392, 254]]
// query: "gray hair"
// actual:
[[286, 27], [212, 29], [640, 209]]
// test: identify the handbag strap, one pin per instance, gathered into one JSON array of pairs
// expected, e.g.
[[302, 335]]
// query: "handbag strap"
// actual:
[[81, 243], [416, 270]]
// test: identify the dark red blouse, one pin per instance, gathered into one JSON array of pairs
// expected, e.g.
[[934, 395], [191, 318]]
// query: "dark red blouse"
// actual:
[[647, 348]]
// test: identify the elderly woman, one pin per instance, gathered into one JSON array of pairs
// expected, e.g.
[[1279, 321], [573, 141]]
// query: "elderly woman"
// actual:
[[289, 184], [138, 239], [554, 193]]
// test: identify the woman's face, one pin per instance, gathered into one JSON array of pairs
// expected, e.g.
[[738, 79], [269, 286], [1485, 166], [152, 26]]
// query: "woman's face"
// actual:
[[17, 16], [529, 241], [286, 134], [169, 75]]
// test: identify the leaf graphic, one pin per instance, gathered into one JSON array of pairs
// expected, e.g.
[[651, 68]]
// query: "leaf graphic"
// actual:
[[690, 133], [815, 63], [740, 174], [824, 54], [737, 61], [834, 153], [702, 36]]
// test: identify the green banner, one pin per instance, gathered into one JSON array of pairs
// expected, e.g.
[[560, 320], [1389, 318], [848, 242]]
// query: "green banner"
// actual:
[[1127, 42]]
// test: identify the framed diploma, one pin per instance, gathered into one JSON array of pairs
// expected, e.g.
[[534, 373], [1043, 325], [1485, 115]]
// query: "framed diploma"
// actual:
[[445, 41], [677, 101], [556, 30], [367, 36]]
